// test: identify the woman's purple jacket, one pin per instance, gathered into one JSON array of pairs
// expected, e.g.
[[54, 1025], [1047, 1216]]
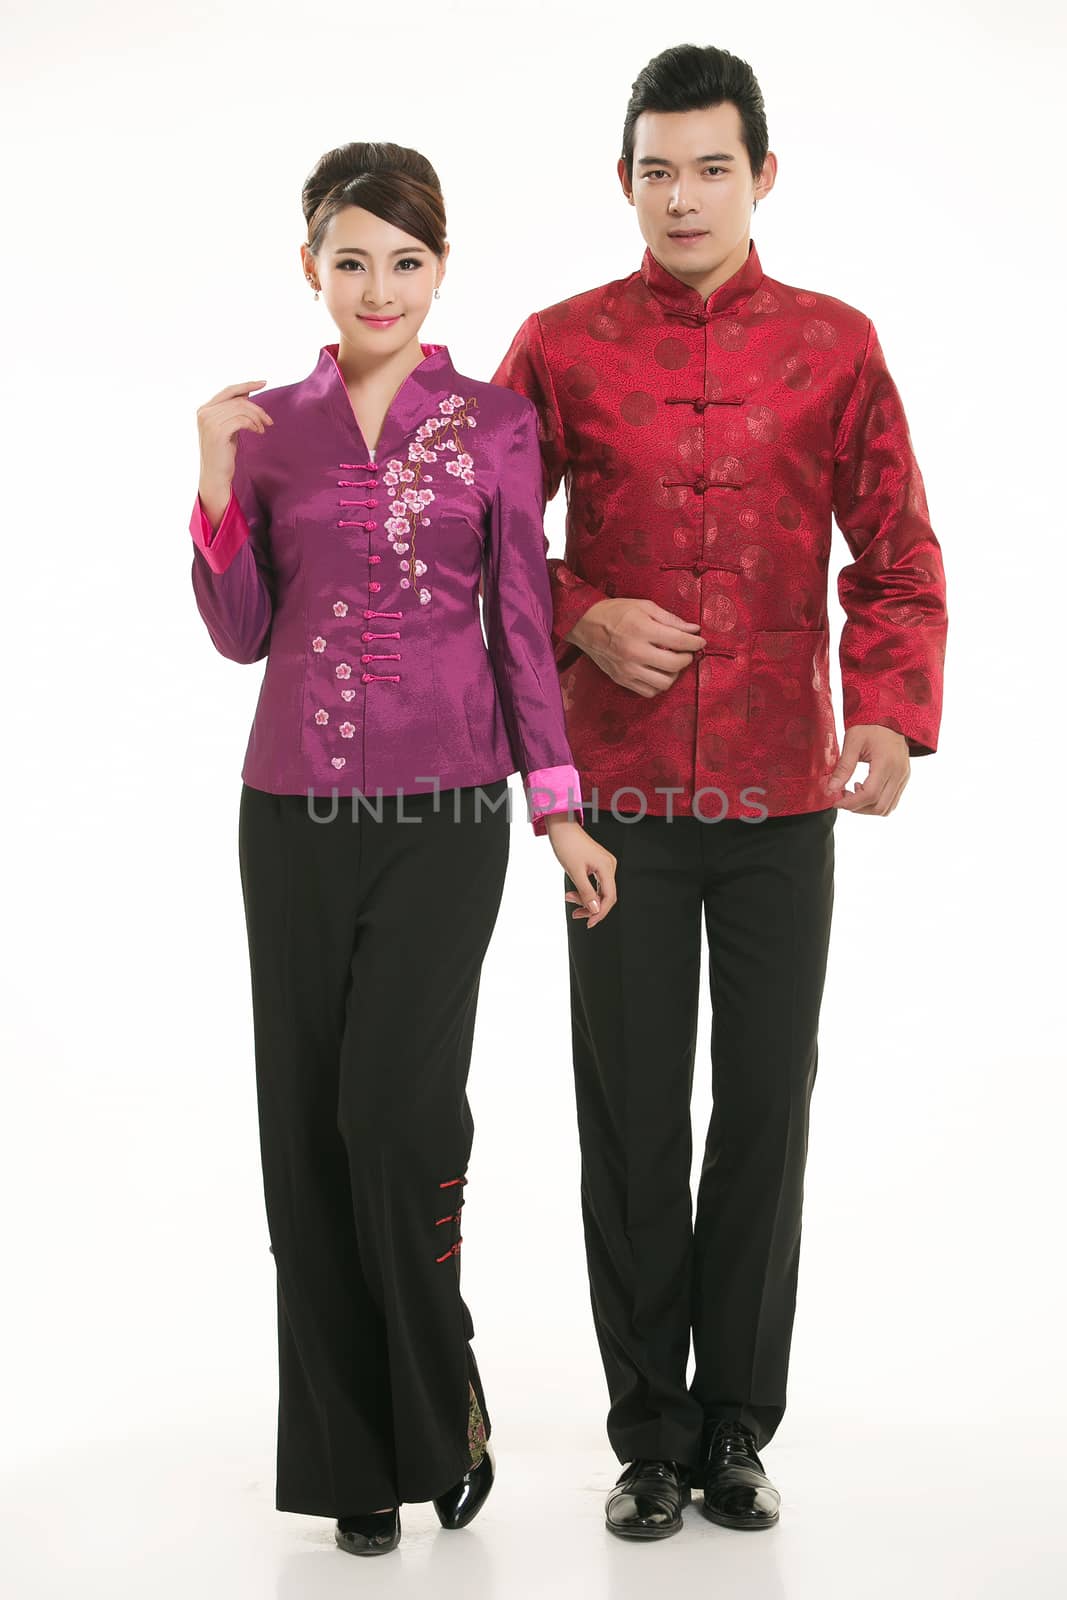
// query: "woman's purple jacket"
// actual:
[[358, 579]]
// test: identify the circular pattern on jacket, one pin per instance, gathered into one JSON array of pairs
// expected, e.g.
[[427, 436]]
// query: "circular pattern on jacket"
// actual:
[[713, 751], [906, 615], [671, 495], [757, 563], [804, 609], [612, 728], [788, 512], [690, 442], [638, 408], [762, 423], [763, 303], [635, 547], [604, 328], [661, 772], [795, 373], [806, 299], [580, 380], [719, 613], [673, 354], [820, 334], [730, 334], [727, 469]]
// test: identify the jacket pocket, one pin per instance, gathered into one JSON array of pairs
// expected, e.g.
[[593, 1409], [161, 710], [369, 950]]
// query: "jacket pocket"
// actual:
[[790, 713]]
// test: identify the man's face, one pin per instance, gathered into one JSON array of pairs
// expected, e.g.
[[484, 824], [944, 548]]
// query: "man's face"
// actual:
[[693, 188]]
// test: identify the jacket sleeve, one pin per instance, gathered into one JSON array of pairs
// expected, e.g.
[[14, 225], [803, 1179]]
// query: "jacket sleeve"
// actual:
[[525, 369], [892, 648], [518, 619], [232, 577]]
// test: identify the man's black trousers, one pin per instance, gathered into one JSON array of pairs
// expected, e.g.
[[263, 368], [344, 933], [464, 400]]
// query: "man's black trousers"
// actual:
[[727, 1279]]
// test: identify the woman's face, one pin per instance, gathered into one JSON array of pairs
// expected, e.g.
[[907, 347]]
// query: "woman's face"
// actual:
[[377, 281]]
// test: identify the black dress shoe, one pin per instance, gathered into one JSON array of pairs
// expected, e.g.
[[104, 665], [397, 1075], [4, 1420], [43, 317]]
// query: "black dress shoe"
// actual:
[[737, 1491], [372, 1534], [647, 1500], [462, 1503]]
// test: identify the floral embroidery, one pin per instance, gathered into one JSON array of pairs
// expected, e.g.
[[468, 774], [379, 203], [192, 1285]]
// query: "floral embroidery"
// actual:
[[340, 609], [318, 645], [405, 482], [322, 718], [348, 694], [347, 729], [475, 1429], [337, 761], [342, 670]]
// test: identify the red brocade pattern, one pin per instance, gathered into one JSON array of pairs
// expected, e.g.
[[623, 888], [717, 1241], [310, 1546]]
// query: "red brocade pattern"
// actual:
[[705, 447]]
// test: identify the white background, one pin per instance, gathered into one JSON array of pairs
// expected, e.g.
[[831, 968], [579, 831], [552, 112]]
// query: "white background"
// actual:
[[154, 158]]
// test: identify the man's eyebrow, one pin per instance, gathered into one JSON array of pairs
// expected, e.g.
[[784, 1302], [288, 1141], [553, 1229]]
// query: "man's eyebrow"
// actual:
[[661, 161], [354, 250]]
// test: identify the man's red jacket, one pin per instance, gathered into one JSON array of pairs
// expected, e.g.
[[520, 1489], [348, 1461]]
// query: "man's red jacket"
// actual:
[[704, 445]]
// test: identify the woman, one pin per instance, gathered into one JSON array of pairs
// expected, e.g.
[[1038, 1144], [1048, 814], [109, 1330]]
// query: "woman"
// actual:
[[344, 529]]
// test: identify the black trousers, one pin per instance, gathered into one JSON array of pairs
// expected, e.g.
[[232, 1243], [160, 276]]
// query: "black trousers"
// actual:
[[366, 940], [727, 1281]]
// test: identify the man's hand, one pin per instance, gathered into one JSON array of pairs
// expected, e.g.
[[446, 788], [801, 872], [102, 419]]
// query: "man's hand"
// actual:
[[637, 643], [889, 767]]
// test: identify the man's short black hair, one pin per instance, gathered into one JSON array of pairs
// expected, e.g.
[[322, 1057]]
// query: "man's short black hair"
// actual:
[[692, 77]]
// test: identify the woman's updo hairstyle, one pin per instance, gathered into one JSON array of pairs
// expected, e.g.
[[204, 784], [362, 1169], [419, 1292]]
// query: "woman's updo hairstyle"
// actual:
[[394, 183]]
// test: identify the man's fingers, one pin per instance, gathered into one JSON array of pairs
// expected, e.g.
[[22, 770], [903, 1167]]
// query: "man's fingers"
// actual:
[[669, 618], [874, 795], [846, 766], [648, 679], [668, 638], [663, 660]]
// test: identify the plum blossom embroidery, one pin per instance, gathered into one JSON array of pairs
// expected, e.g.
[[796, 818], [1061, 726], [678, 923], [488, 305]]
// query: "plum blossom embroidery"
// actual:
[[318, 645], [347, 729], [342, 670], [404, 482], [322, 717], [340, 608]]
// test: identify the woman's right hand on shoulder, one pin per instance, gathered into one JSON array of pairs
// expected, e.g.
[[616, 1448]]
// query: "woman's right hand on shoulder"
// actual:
[[219, 422]]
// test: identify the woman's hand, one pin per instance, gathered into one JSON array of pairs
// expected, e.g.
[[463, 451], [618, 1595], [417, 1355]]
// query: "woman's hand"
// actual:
[[219, 422], [583, 859]]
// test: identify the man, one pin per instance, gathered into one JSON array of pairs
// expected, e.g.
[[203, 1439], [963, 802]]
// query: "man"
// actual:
[[708, 421]]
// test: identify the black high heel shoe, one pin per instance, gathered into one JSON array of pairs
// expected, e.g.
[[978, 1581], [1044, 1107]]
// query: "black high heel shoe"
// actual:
[[374, 1533], [462, 1503]]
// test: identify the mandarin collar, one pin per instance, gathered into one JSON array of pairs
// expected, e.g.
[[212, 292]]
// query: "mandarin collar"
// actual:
[[416, 399], [681, 300]]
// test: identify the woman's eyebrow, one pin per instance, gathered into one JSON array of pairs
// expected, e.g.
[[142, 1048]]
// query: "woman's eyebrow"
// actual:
[[354, 250]]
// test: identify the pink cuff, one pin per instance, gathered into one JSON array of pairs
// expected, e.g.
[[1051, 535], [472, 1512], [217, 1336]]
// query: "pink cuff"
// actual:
[[550, 790], [219, 546]]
